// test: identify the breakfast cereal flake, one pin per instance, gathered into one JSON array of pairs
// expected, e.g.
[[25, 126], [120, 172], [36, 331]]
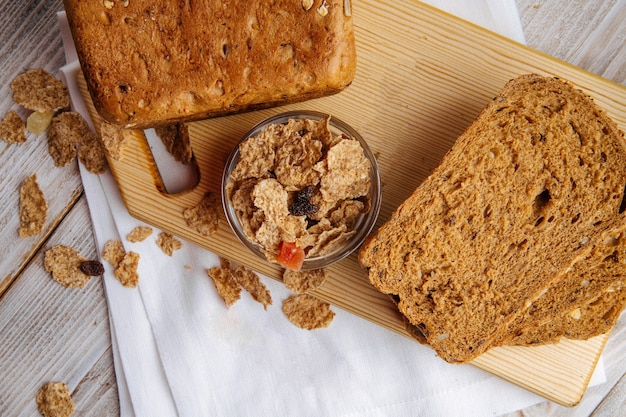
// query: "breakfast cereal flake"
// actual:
[[308, 312], [63, 262], [168, 243], [113, 252], [126, 270], [301, 282], [54, 400], [33, 208], [139, 234], [226, 284], [38, 90], [12, 128], [176, 140], [251, 282], [205, 216], [113, 139]]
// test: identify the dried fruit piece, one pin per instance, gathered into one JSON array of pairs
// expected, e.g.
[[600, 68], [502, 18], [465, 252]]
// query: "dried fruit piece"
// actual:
[[176, 140], [113, 139], [33, 208], [226, 284], [290, 256], [205, 216], [38, 121], [54, 400], [302, 205], [91, 268], [168, 243], [251, 282], [139, 234], [63, 262], [37, 90], [113, 252], [308, 312], [12, 128], [302, 282], [126, 270]]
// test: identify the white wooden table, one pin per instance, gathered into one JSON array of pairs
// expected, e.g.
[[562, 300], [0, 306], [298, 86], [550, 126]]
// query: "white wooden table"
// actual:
[[50, 333]]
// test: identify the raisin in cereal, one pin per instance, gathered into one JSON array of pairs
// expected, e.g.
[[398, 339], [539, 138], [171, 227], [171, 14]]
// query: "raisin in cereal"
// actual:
[[33, 208], [308, 312], [298, 182], [12, 128], [205, 216], [54, 400], [64, 264], [38, 90]]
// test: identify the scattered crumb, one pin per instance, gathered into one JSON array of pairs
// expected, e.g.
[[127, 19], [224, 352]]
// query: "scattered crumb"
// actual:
[[204, 217], [301, 282], [251, 282], [63, 262], [92, 155], [176, 140], [113, 252], [308, 312], [126, 270], [168, 243], [38, 90], [12, 128], [226, 284], [62, 139], [33, 208], [54, 400], [113, 139], [139, 234]]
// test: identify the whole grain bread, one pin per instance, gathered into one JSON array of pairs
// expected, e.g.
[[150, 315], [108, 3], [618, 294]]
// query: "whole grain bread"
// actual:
[[158, 62], [525, 193]]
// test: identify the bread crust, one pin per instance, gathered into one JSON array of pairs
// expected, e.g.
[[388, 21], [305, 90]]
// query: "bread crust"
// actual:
[[150, 63], [524, 194]]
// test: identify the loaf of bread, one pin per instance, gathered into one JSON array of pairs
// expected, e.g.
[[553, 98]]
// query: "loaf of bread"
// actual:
[[150, 63], [526, 192]]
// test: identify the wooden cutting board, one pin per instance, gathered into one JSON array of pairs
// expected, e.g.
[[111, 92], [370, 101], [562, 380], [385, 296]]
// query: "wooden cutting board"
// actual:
[[422, 77]]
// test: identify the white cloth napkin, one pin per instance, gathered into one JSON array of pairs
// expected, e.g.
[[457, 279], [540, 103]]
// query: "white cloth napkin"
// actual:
[[179, 351]]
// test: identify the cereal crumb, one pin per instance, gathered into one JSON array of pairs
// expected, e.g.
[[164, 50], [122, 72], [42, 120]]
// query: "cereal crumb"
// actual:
[[126, 270], [12, 128], [113, 139], [168, 243], [63, 262], [65, 133], [176, 140], [113, 252], [308, 312], [226, 284], [251, 282], [54, 400], [139, 234], [38, 90], [33, 208], [301, 282], [204, 217]]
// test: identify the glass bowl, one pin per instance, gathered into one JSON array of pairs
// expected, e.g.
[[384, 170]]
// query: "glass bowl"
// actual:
[[363, 223]]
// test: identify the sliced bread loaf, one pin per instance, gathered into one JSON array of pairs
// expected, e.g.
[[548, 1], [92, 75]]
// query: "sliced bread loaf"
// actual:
[[522, 196]]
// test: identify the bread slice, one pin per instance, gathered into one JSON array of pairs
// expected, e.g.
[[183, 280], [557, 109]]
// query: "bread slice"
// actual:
[[575, 306], [158, 62], [524, 193]]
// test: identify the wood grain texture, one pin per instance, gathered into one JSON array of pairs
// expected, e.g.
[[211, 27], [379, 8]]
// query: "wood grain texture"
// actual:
[[423, 77]]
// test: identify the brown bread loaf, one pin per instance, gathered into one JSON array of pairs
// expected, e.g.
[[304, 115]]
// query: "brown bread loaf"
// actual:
[[524, 193], [158, 62]]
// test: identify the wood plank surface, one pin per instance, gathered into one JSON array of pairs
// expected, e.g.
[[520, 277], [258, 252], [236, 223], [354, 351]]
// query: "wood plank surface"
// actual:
[[423, 76], [587, 33]]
